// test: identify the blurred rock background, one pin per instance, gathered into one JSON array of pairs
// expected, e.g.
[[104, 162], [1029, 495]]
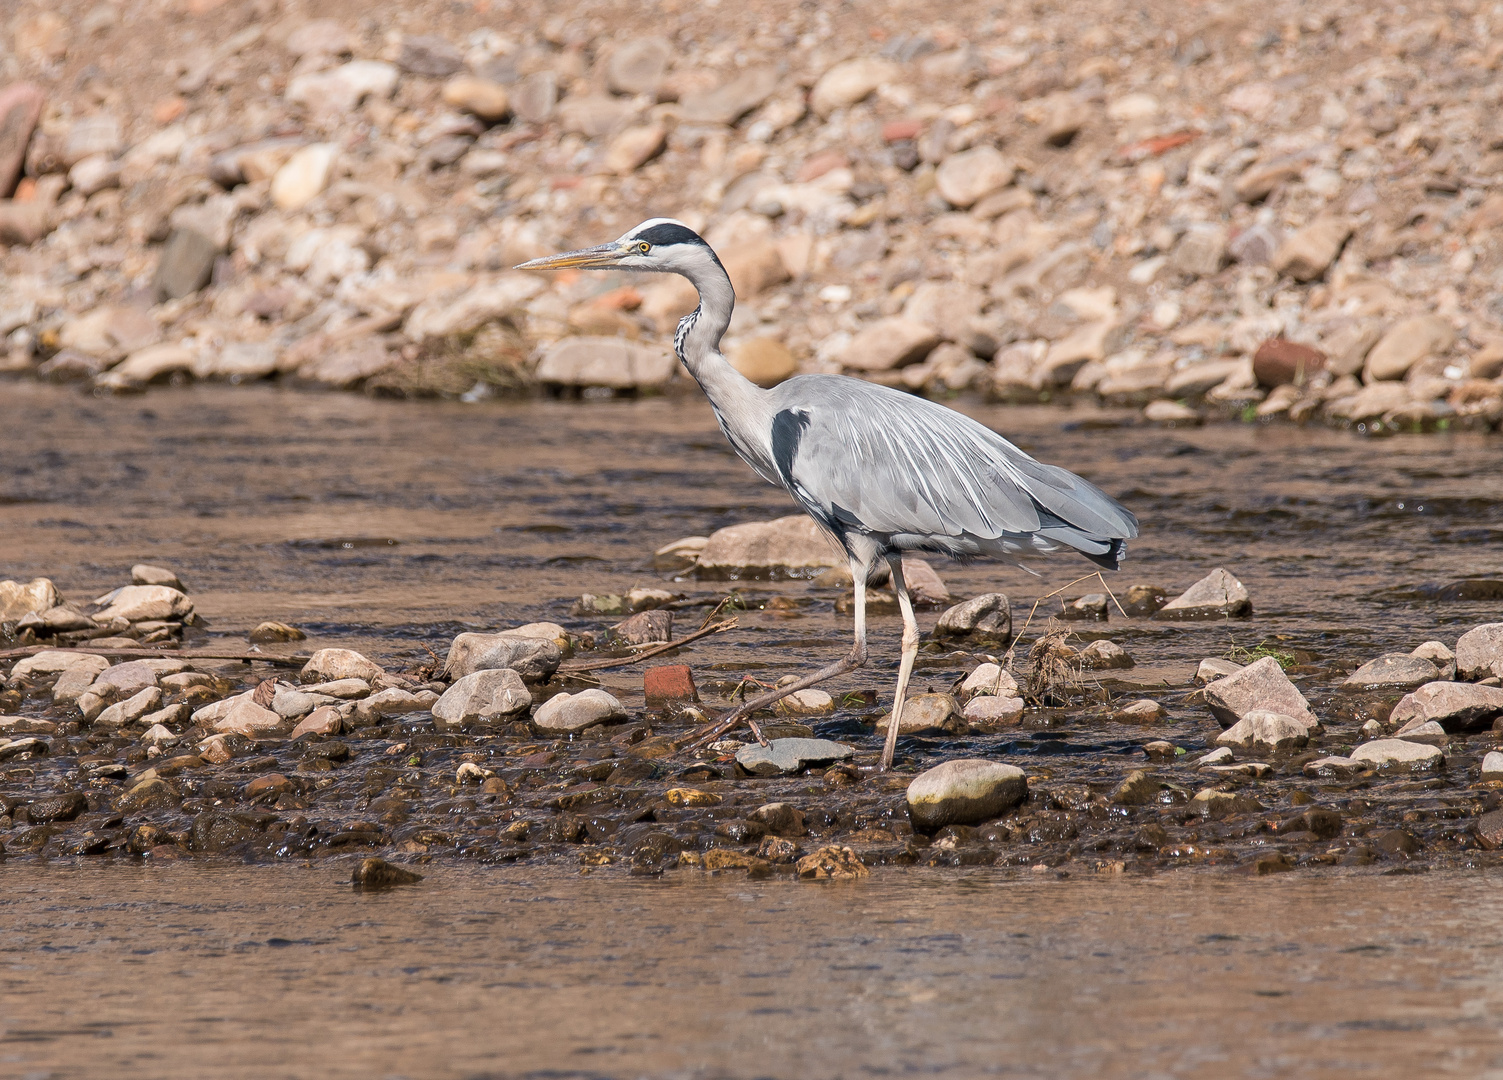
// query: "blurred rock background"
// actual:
[[1218, 209]]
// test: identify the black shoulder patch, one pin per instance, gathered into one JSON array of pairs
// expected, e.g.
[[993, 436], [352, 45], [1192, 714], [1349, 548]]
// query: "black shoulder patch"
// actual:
[[670, 234], [787, 431]]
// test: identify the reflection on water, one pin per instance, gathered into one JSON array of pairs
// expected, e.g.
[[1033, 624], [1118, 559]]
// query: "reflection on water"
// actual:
[[283, 971]]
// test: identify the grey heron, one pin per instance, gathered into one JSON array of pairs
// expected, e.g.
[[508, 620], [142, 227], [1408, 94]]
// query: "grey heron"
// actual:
[[881, 471]]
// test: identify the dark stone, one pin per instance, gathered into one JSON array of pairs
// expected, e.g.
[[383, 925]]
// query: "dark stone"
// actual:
[[1279, 362], [214, 832], [187, 264], [1472, 589], [1273, 862], [1489, 829], [380, 874], [1397, 842], [1144, 600], [645, 628], [52, 808]]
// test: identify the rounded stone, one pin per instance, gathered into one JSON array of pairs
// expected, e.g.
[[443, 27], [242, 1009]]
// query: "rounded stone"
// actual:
[[568, 713], [964, 792]]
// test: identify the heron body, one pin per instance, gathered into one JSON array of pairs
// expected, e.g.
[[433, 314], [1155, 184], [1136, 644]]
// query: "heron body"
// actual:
[[883, 472]]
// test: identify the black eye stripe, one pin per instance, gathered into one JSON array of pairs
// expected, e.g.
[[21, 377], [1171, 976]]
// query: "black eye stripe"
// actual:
[[668, 233]]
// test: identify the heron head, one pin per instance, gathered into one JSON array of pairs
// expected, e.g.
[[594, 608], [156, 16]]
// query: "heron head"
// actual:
[[660, 244]]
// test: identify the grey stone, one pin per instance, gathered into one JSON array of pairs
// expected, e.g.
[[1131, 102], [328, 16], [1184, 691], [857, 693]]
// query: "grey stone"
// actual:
[[1335, 767], [991, 711], [291, 704], [645, 627], [565, 714], [1265, 732], [1088, 608], [731, 101], [1392, 671], [791, 546], [1201, 252], [925, 714], [1139, 789], [145, 603], [1104, 655], [611, 362], [637, 66], [532, 658], [1260, 685], [1215, 668], [783, 756], [429, 55], [131, 709], [146, 574], [1424, 731], [186, 264], [964, 792], [989, 679], [1459, 708], [1438, 654], [1218, 595], [1399, 755], [988, 616], [1479, 652], [329, 665], [484, 696]]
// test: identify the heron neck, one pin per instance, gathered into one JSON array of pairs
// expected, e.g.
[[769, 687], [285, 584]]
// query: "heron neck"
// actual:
[[698, 339]]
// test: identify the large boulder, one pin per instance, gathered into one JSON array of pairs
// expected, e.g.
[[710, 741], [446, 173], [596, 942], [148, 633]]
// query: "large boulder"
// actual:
[[145, 603], [1265, 732], [964, 792], [483, 696], [1399, 755], [606, 361], [534, 659], [793, 547], [1260, 685]]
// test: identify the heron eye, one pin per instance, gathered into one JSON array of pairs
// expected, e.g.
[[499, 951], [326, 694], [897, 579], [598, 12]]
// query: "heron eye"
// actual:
[[644, 247]]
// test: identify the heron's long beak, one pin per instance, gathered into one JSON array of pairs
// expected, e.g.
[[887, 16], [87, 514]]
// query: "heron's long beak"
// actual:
[[594, 258]]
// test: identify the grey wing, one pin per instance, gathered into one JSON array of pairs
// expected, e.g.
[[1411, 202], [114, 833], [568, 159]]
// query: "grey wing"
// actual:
[[883, 462]]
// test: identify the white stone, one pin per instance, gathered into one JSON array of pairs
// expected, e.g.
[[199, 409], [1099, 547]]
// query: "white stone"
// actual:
[[964, 792], [304, 177], [568, 713]]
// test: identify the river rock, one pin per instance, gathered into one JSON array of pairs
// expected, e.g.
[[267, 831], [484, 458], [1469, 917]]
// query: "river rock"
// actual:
[[985, 617], [1424, 731], [131, 709], [925, 714], [304, 177], [964, 792], [765, 361], [329, 665], [54, 662], [535, 659], [271, 632], [1399, 755], [481, 97], [1309, 252], [637, 66], [428, 55], [64, 807], [344, 689], [989, 679], [787, 756], [133, 676], [1104, 655], [20, 109], [290, 703], [1280, 362], [809, 702], [791, 546], [380, 874], [486, 696], [1265, 732], [966, 178], [610, 362], [74, 682], [1139, 789], [324, 720], [889, 343], [146, 574], [1218, 595], [1144, 711], [1438, 654], [732, 100], [247, 718], [1459, 708], [1260, 685], [1405, 344], [847, 83], [16, 599], [1492, 766], [645, 628], [1479, 652], [993, 711], [1392, 671], [829, 863], [565, 714], [781, 819], [634, 147], [146, 603]]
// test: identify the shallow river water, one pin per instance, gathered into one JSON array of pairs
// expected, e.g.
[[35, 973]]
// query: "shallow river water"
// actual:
[[269, 972], [390, 526]]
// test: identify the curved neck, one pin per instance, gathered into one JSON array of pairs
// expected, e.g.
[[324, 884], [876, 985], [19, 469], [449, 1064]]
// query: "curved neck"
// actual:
[[697, 342]]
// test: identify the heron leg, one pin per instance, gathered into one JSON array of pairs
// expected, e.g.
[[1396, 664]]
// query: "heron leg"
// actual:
[[905, 666], [850, 662]]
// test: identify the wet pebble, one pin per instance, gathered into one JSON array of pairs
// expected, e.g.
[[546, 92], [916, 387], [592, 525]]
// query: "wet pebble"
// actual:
[[964, 792]]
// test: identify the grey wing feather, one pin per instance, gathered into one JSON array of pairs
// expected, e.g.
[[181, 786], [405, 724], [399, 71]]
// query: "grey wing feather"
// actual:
[[893, 464]]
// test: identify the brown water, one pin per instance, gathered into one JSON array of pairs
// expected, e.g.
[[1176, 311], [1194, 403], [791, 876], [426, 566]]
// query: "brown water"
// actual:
[[188, 972]]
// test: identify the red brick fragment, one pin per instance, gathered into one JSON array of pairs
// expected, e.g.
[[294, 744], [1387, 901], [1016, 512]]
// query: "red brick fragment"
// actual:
[[669, 684]]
